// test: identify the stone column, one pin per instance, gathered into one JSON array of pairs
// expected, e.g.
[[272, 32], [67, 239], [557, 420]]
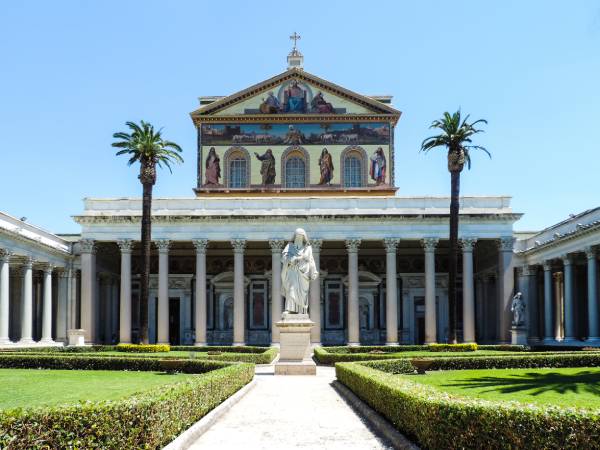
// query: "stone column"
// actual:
[[74, 280], [4, 296], [429, 245], [239, 304], [391, 292], [314, 308], [569, 305], [108, 310], [27, 303], [506, 283], [47, 306], [162, 336], [468, 290], [352, 246], [558, 305], [276, 248], [592, 281], [200, 294], [88, 289], [62, 306], [548, 302], [528, 288], [126, 246]]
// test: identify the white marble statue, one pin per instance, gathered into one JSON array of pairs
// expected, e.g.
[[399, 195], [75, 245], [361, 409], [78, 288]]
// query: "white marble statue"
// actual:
[[297, 271], [518, 309]]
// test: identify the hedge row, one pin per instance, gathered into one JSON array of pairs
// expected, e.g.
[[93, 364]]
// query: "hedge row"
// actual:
[[266, 357], [220, 348], [437, 420], [148, 420], [452, 347], [143, 348]]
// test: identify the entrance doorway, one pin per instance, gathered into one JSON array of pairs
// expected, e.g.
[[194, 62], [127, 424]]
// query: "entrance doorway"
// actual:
[[174, 320]]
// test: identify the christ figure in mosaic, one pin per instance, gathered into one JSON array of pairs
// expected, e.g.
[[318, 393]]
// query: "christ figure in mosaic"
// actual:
[[298, 268]]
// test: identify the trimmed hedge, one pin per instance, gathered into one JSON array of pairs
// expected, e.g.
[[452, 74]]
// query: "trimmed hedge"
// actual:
[[438, 420], [220, 348], [531, 361], [148, 420], [143, 348], [452, 347]]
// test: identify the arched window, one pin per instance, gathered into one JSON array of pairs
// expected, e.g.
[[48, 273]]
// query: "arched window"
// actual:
[[295, 170], [237, 172], [353, 171], [295, 164], [353, 162]]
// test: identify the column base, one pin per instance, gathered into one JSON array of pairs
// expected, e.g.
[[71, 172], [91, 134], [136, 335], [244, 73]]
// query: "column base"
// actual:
[[6, 341], [353, 344], [200, 344], [26, 341], [392, 344], [125, 342], [275, 345], [239, 344], [46, 341]]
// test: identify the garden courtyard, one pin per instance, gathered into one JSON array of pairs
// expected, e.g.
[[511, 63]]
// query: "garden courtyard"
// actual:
[[360, 398]]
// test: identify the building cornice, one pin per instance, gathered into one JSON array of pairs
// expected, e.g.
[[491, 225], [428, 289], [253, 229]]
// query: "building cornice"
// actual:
[[557, 238]]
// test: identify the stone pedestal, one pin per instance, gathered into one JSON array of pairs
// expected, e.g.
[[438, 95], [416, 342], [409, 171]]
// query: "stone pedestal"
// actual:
[[518, 335], [76, 337], [294, 351]]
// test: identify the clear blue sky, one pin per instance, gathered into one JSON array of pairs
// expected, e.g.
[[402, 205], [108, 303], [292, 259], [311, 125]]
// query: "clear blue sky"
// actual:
[[72, 72]]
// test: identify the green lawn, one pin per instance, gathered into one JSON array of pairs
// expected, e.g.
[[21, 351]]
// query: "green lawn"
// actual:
[[578, 386], [33, 387]]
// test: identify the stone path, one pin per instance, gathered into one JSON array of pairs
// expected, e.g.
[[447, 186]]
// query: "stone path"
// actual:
[[283, 412]]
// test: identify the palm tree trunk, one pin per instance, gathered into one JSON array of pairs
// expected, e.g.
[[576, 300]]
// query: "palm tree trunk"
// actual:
[[452, 257], [145, 275]]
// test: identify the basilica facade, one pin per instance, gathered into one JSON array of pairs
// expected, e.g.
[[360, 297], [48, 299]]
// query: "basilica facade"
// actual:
[[292, 151]]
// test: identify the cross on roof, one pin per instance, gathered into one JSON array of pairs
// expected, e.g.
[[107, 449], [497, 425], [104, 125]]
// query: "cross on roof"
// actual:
[[295, 37]]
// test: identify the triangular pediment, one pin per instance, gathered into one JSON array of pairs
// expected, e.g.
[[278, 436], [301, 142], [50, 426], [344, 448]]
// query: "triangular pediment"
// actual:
[[295, 92]]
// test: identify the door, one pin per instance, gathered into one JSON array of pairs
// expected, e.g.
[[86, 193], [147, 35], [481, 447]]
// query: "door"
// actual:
[[174, 320]]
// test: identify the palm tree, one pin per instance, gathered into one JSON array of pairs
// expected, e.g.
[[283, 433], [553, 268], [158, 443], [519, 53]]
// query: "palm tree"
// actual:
[[456, 138], [147, 146]]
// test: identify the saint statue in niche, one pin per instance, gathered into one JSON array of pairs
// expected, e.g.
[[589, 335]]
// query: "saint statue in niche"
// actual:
[[378, 166], [326, 166], [271, 105], [212, 168], [298, 268], [319, 105], [295, 99], [267, 167]]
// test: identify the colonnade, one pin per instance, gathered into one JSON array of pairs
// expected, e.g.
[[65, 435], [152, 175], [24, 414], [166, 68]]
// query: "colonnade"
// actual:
[[26, 266], [429, 246]]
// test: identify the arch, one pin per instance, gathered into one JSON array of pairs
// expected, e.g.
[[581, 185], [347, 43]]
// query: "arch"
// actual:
[[236, 153], [295, 151], [354, 151]]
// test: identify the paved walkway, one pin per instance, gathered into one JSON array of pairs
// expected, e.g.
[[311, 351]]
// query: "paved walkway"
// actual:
[[290, 412]]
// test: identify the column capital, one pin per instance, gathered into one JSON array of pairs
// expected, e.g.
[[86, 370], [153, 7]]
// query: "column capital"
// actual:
[[28, 262], [505, 243], [316, 244], [391, 244], [5, 255], [201, 245], [352, 245], [163, 245], [590, 252], [63, 272], [567, 259], [238, 245], [277, 245], [429, 243], [87, 246], [468, 243], [547, 265], [47, 268], [558, 276], [126, 245]]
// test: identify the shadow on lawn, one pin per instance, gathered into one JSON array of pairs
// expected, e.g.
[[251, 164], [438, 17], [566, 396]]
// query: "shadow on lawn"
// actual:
[[537, 383]]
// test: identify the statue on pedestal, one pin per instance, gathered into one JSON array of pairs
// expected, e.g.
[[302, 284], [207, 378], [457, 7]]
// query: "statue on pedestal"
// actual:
[[297, 271], [518, 309]]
